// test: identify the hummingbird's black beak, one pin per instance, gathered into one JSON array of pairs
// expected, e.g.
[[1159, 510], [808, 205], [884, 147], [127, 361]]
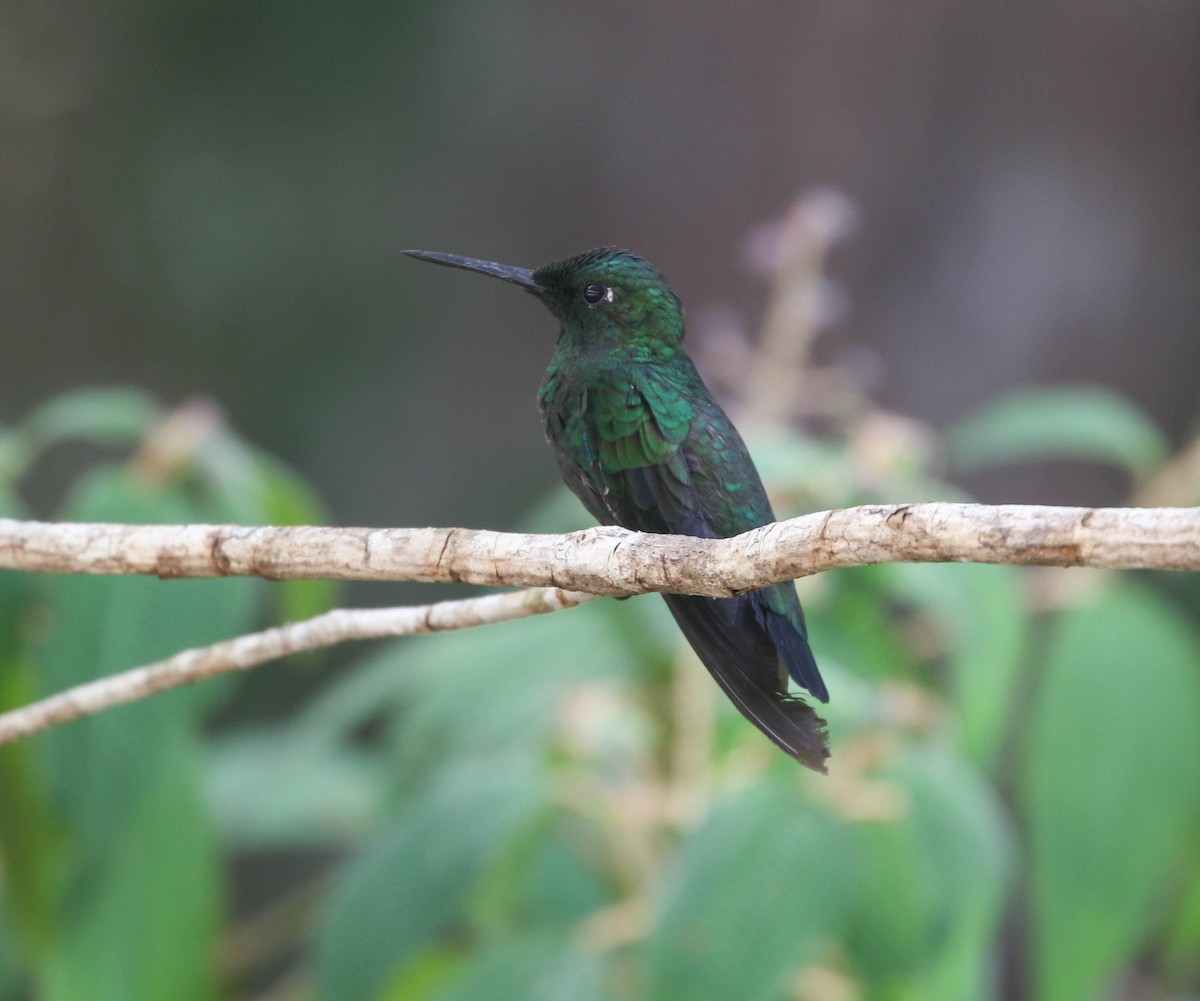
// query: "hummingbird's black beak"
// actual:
[[505, 272]]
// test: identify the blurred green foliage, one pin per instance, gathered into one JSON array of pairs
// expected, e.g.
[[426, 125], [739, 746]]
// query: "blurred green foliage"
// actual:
[[564, 808]]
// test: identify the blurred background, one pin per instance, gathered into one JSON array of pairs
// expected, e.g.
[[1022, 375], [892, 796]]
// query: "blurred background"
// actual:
[[967, 237], [209, 198]]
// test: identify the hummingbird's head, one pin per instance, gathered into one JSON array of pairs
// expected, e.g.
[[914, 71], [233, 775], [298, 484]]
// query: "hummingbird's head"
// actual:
[[611, 303]]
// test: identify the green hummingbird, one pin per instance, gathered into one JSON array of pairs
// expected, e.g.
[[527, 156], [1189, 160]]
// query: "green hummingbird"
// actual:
[[641, 441]]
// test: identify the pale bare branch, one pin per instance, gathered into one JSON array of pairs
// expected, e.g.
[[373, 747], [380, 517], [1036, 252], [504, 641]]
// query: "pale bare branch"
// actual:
[[338, 626], [596, 561], [614, 561]]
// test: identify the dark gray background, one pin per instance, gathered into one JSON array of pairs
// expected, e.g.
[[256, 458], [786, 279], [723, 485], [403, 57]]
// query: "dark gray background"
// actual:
[[209, 198]]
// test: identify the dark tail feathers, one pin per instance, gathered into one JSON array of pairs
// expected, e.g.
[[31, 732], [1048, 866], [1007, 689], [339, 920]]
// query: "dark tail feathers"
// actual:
[[792, 644], [743, 658]]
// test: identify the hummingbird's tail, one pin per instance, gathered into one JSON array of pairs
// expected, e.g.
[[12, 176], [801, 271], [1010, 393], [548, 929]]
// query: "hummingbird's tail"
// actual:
[[790, 638], [742, 657]]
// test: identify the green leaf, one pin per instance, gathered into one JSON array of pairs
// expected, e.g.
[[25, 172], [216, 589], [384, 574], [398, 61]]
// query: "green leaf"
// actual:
[[16, 455], [32, 847], [543, 881], [759, 886], [537, 967], [143, 927], [473, 693], [10, 957], [31, 842], [1181, 939], [106, 416], [273, 786], [99, 626], [854, 623], [137, 914], [111, 416], [10, 504], [1111, 785], [984, 613], [1071, 422], [801, 472], [933, 882], [414, 883], [455, 698]]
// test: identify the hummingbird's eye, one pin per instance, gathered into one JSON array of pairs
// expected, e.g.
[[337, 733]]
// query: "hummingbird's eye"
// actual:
[[594, 292]]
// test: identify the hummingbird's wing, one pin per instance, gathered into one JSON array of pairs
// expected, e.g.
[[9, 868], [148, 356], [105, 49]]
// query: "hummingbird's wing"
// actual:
[[656, 458]]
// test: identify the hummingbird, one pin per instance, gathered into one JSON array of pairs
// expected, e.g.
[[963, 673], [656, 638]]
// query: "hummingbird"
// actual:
[[640, 440]]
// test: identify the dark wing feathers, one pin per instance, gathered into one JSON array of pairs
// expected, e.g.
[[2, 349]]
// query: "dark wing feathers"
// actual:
[[644, 466]]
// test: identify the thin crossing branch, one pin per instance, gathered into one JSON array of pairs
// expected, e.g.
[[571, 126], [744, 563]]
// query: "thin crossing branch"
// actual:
[[339, 626]]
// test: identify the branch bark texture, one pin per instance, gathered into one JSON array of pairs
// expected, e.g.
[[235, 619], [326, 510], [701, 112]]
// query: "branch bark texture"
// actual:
[[561, 570], [610, 560]]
